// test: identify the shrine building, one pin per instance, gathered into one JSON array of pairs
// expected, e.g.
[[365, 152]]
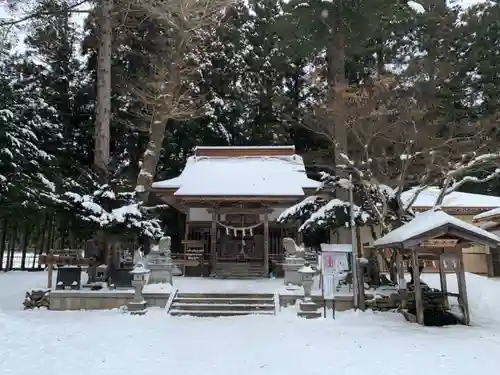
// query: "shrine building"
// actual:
[[231, 197]]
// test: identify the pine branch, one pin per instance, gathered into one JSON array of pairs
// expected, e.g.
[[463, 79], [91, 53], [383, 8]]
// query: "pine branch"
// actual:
[[38, 14]]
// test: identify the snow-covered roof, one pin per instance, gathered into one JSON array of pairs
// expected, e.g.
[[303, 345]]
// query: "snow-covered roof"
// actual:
[[339, 248], [427, 222], [456, 199], [245, 171], [488, 215]]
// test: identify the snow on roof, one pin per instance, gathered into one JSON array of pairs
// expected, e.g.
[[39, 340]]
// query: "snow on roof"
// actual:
[[241, 176], [485, 216], [339, 248], [244, 148], [427, 221], [456, 199]]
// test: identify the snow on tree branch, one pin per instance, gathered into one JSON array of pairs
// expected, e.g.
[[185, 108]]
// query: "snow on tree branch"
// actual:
[[114, 211], [333, 213], [460, 173], [302, 210]]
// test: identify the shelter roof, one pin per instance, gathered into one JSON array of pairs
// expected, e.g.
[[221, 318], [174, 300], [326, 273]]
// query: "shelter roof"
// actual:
[[433, 224]]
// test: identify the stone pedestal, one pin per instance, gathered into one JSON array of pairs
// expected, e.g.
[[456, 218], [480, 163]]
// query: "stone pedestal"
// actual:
[[138, 306], [159, 262], [291, 268], [309, 310]]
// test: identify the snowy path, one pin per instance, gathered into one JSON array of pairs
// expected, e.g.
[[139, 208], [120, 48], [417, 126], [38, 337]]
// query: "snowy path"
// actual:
[[110, 343]]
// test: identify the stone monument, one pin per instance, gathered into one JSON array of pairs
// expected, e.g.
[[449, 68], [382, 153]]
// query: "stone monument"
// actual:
[[159, 262], [293, 262]]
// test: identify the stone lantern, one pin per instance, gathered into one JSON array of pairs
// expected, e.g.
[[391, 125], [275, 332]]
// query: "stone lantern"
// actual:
[[307, 274], [140, 279], [308, 308]]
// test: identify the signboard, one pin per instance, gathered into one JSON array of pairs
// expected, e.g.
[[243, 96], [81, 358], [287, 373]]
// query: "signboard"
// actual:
[[440, 243], [334, 260]]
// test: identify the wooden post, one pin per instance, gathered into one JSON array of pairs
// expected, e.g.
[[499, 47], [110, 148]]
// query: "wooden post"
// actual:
[[401, 277], [361, 288], [442, 279], [213, 241], [400, 270], [417, 289], [266, 243], [462, 289]]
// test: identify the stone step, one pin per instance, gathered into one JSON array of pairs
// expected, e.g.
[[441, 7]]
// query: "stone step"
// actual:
[[223, 300], [222, 304], [215, 313], [238, 277], [232, 272], [225, 295], [227, 272], [221, 307], [241, 266]]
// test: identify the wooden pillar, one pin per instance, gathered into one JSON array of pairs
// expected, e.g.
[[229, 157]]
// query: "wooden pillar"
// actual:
[[213, 240], [400, 270], [417, 289], [442, 279], [462, 289], [401, 278], [266, 243]]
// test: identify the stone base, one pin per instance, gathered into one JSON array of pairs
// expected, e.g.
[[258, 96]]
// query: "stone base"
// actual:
[[308, 306], [160, 275], [137, 308], [101, 300], [309, 314], [342, 303]]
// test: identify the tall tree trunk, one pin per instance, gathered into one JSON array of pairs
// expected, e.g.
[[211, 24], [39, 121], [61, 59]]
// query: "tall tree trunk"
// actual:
[[12, 247], [151, 156], [336, 55], [43, 233], [24, 243], [3, 238], [103, 104]]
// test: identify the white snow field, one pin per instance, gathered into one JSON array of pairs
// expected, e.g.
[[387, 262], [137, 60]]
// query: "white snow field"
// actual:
[[112, 343]]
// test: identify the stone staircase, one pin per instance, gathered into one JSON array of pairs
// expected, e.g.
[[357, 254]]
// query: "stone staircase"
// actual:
[[223, 304], [226, 270]]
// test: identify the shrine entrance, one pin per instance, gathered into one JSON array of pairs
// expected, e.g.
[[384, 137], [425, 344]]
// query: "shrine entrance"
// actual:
[[241, 239]]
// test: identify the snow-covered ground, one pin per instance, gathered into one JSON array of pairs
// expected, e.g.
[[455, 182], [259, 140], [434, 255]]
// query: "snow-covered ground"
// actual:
[[109, 342]]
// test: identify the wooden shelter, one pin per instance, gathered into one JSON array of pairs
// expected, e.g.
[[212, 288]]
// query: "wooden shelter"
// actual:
[[490, 221], [231, 197], [478, 259], [435, 235]]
